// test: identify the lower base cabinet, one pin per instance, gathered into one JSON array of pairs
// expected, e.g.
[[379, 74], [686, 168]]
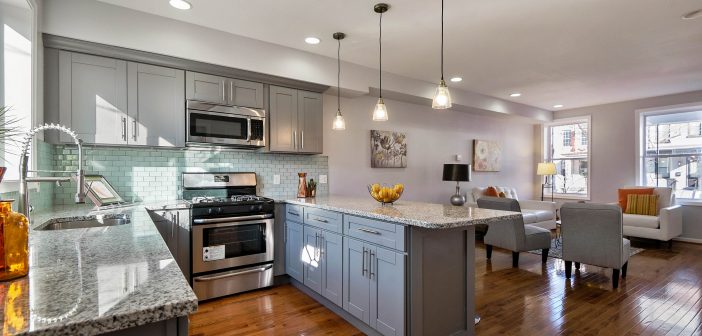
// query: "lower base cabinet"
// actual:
[[294, 240]]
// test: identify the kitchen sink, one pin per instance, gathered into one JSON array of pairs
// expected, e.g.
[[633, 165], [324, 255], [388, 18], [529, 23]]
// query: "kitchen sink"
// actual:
[[84, 222]]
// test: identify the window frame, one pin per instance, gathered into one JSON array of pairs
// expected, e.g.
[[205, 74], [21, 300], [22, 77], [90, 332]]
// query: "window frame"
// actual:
[[640, 153], [546, 150]]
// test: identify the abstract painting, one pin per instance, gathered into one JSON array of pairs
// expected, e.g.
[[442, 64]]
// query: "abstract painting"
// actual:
[[487, 156], [388, 149]]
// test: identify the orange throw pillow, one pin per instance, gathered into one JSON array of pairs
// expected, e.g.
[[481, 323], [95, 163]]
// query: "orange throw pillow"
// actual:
[[492, 192], [624, 193]]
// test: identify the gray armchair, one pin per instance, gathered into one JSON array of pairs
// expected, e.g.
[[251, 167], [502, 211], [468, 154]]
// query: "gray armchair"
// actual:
[[513, 235], [592, 234]]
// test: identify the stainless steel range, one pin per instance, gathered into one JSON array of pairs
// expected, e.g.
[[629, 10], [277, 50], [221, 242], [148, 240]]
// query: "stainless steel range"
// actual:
[[232, 233]]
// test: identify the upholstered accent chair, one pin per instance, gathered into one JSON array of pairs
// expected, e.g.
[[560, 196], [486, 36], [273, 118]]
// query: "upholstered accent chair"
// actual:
[[664, 227], [592, 234], [536, 213], [513, 234]]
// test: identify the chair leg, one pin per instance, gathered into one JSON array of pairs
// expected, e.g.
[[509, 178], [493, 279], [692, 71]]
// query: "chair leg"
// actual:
[[577, 266], [515, 259], [568, 268], [626, 264], [615, 278], [544, 256], [488, 251]]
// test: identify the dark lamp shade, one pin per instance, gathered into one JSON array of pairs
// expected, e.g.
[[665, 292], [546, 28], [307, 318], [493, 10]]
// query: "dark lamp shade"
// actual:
[[457, 172]]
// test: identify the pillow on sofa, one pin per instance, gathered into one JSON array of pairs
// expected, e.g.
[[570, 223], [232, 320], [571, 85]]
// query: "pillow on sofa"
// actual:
[[492, 192], [624, 193], [642, 205]]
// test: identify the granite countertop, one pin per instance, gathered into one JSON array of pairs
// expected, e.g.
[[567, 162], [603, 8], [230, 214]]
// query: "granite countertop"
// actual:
[[95, 280], [425, 215]]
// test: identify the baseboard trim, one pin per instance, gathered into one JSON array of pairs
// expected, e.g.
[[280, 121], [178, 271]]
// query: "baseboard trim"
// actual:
[[364, 328], [689, 240]]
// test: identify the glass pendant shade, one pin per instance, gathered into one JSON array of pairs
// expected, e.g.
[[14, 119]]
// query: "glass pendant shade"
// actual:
[[380, 113], [339, 124], [442, 97]]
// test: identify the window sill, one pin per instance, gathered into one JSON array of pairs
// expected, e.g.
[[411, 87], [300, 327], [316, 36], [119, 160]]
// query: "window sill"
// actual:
[[688, 202], [568, 197]]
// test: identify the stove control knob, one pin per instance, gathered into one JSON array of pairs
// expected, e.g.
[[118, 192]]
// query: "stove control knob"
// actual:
[[259, 207], [219, 210], [209, 211]]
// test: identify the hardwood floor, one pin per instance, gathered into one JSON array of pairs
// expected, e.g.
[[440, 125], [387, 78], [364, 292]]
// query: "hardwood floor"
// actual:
[[662, 295]]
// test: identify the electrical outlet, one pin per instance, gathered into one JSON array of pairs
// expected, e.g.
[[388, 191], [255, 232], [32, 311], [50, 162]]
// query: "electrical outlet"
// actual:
[[459, 158], [276, 179], [322, 179]]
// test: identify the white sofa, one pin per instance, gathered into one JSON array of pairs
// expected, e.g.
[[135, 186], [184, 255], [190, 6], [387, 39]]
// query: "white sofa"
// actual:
[[664, 227], [536, 213]]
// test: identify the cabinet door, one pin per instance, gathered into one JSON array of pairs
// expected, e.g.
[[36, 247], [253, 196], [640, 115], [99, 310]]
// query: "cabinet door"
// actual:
[[245, 93], [283, 119], [206, 88], [387, 274], [356, 282], [93, 98], [182, 255], [332, 267], [165, 223], [312, 258], [310, 122], [156, 105], [294, 250]]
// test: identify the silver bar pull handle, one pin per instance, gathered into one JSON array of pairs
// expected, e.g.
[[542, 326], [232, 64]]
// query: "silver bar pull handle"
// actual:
[[321, 220], [124, 128], [371, 257], [224, 87], [368, 231], [363, 262], [134, 128], [230, 219], [232, 274], [295, 139], [302, 139], [231, 92]]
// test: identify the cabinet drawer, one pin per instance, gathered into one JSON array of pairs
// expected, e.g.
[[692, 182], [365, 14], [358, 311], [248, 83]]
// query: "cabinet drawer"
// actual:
[[293, 213], [323, 219], [377, 232]]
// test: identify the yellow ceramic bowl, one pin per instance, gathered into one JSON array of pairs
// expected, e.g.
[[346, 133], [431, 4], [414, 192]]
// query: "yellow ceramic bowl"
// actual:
[[386, 194]]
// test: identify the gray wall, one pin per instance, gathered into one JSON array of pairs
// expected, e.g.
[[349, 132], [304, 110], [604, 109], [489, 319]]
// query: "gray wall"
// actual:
[[614, 149], [434, 137]]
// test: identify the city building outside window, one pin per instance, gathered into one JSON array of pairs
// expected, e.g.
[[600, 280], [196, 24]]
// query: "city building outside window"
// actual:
[[566, 143]]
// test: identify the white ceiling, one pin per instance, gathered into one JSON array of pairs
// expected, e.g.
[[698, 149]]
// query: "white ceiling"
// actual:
[[575, 53]]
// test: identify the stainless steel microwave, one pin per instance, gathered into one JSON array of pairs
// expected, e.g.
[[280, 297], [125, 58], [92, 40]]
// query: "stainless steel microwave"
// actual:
[[211, 124]]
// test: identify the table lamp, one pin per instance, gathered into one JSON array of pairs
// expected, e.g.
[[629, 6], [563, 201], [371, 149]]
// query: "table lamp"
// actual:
[[546, 169], [459, 173]]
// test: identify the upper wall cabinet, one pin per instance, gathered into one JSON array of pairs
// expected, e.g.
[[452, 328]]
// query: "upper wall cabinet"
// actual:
[[224, 91], [295, 121], [114, 102]]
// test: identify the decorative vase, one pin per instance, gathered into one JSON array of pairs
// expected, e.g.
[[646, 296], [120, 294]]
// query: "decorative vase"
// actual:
[[14, 237], [302, 185]]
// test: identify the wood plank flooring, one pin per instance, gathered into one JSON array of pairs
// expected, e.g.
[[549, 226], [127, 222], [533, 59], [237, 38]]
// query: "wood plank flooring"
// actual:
[[662, 295]]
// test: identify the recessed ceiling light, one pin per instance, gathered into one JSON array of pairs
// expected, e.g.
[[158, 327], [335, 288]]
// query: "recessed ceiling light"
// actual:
[[692, 15], [516, 94], [456, 79], [558, 106], [312, 40], [180, 4]]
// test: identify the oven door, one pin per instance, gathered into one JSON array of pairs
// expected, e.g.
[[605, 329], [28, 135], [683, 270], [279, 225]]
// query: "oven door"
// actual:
[[218, 128], [233, 243]]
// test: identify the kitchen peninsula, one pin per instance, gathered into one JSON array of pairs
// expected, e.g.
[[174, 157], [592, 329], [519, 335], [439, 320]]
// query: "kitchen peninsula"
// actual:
[[402, 269]]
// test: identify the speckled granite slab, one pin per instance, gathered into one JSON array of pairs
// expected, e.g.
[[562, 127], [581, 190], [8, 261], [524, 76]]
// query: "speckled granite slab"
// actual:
[[95, 280], [425, 215]]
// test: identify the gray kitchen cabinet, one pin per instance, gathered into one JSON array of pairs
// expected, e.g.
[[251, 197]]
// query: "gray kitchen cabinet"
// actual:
[[92, 98], [223, 91], [173, 225], [387, 274], [294, 244], [312, 258], [357, 292], [332, 267], [295, 121], [309, 113], [156, 106], [207, 88]]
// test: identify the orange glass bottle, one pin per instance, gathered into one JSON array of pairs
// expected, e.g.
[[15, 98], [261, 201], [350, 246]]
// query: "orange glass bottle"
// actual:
[[14, 238]]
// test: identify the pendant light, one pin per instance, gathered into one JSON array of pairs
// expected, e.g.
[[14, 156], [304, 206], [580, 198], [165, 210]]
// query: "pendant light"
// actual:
[[380, 113], [442, 97], [339, 124]]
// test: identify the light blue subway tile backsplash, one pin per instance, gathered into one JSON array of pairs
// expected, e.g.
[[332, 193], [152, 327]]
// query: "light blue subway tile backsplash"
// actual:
[[148, 174]]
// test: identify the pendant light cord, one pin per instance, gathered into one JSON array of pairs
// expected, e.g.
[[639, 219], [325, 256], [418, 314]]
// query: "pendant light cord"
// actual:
[[380, 56], [442, 40], [338, 77]]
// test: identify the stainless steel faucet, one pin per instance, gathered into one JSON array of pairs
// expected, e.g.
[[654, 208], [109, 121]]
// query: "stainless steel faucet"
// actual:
[[78, 175]]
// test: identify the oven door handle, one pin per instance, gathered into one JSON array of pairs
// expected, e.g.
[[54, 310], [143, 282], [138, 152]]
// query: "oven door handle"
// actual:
[[230, 219], [234, 273]]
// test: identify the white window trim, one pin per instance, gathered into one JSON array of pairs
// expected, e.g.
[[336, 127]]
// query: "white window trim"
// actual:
[[640, 143], [546, 150]]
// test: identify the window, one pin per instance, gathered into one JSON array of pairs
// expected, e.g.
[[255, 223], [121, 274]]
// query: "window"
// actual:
[[671, 150], [566, 143]]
